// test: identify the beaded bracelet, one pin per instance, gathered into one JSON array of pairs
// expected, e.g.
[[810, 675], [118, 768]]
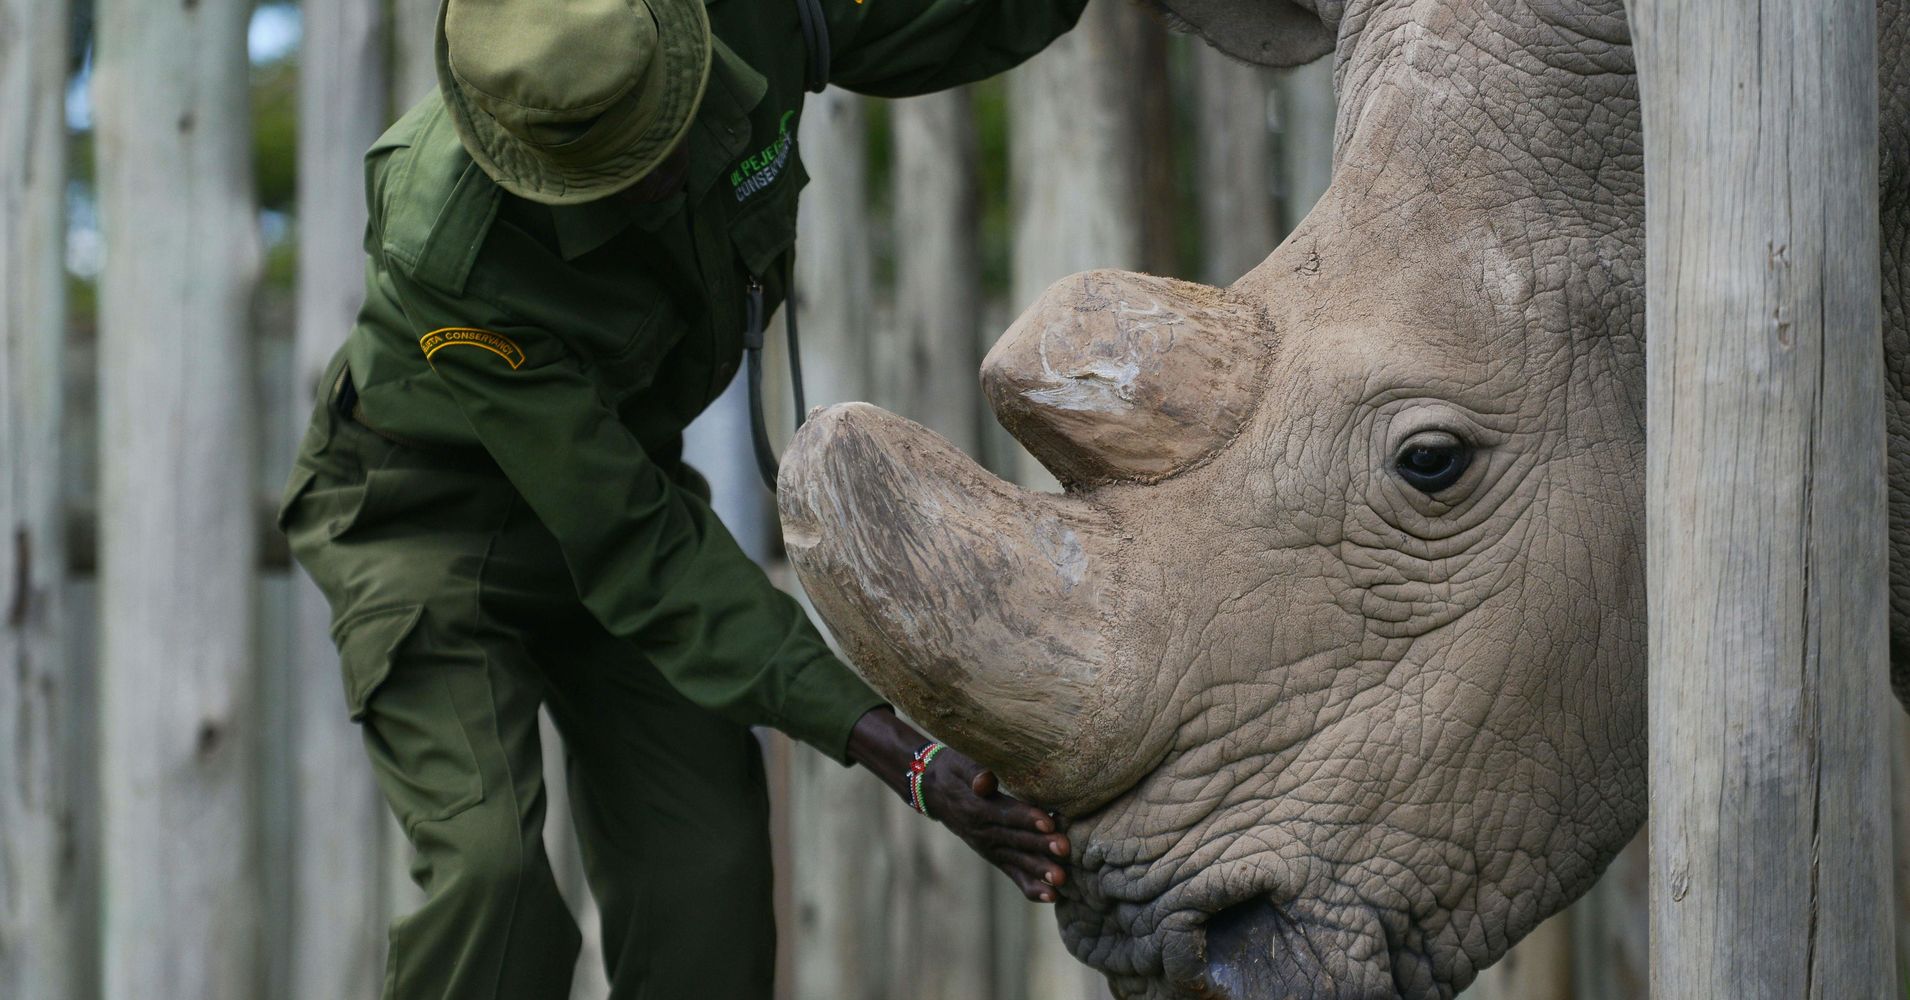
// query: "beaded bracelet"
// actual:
[[918, 769]]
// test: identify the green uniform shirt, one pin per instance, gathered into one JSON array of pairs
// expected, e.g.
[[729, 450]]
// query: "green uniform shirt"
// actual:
[[573, 344]]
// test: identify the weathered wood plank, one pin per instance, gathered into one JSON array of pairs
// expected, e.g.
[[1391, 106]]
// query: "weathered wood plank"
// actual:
[[1765, 488], [925, 370], [1539, 967], [1075, 177], [840, 866], [178, 733], [39, 909], [337, 919], [1234, 162], [1152, 113], [1899, 739], [588, 979], [414, 36], [1900, 842], [1611, 925], [1307, 120], [1074, 168]]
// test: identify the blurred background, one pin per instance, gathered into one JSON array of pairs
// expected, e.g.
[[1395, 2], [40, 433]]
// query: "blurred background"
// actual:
[[187, 812]]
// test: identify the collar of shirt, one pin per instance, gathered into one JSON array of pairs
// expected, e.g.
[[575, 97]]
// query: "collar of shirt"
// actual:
[[720, 135]]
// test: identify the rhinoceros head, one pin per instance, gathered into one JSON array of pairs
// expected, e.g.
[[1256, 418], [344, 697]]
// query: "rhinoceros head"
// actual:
[[1333, 648]]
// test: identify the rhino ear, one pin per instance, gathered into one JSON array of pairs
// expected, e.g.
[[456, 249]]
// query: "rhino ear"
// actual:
[[1267, 32]]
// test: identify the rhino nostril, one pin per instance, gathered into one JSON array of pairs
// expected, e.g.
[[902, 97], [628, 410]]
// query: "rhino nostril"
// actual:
[[1242, 942], [1259, 949]]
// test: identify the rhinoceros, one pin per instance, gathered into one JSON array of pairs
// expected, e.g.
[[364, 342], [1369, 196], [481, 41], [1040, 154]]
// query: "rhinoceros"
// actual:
[[1334, 646]]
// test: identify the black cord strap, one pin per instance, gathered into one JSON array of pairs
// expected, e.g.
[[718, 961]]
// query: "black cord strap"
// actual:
[[815, 38], [753, 338]]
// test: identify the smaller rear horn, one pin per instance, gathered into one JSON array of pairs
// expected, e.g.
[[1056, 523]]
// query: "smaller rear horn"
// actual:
[[1112, 376]]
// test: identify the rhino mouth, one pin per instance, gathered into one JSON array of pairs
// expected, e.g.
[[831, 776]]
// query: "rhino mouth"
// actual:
[[1272, 920], [1258, 948]]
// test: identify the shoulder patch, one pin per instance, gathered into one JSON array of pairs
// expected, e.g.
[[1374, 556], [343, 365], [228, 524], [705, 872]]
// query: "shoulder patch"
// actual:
[[453, 336]]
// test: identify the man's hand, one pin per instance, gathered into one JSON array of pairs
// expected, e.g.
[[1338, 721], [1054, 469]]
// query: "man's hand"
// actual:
[[1014, 836], [1020, 839]]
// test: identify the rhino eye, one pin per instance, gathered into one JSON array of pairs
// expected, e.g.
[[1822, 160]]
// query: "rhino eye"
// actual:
[[1433, 462]]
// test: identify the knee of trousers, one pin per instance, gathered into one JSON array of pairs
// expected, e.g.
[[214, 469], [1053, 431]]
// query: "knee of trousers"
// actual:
[[482, 861], [493, 926]]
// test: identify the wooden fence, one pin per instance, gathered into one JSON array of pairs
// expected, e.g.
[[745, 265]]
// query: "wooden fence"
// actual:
[[1765, 485], [185, 812]]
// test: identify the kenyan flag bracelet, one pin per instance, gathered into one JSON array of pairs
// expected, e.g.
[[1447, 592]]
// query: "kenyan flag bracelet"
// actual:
[[918, 769]]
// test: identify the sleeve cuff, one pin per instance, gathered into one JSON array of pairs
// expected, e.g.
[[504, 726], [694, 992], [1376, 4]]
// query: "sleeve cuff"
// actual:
[[825, 701]]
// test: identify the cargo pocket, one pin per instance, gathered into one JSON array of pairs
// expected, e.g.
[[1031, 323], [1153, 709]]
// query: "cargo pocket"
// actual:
[[413, 722]]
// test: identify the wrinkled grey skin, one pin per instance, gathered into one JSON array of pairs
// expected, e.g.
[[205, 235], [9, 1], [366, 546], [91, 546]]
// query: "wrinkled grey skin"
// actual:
[[1410, 730], [1390, 734], [1503, 138]]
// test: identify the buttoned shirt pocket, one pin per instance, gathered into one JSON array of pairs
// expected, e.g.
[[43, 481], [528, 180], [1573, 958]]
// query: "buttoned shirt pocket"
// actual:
[[417, 705], [764, 227]]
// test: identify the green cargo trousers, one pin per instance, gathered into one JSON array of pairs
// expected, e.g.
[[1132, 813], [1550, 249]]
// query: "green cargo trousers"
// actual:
[[455, 619]]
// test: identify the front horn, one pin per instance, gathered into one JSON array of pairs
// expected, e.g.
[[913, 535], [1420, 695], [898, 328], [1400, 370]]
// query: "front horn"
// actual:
[[982, 610]]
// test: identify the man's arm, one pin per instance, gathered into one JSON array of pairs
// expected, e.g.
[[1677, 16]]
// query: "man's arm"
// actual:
[[648, 558], [897, 48], [654, 564]]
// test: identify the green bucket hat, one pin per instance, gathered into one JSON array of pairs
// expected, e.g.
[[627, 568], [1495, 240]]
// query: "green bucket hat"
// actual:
[[566, 101]]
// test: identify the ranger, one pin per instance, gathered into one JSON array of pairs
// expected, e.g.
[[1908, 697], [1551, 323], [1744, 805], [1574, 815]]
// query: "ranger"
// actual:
[[565, 246]]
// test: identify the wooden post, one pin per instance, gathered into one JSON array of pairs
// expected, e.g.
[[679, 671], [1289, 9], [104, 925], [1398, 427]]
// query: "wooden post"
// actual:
[[1074, 168], [841, 869], [717, 443], [1900, 842], [1539, 967], [1239, 226], [1765, 486], [414, 33], [1306, 138], [588, 980], [1152, 95], [337, 918], [926, 370], [1610, 927], [39, 911], [178, 542], [1075, 179]]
